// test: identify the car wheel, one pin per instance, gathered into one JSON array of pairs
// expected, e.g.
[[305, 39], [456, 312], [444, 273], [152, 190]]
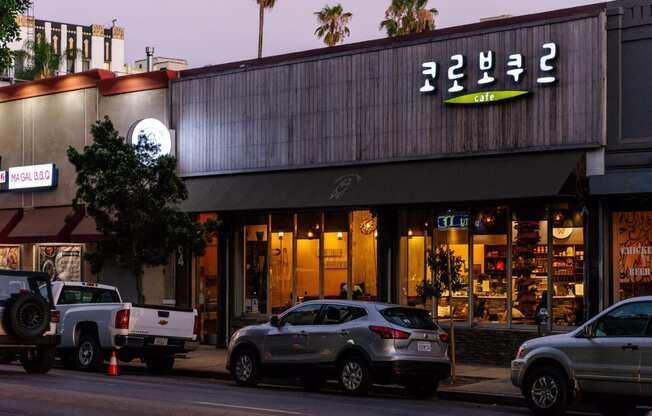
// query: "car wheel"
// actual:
[[422, 389], [88, 354], [355, 376], [27, 316], [615, 407], [245, 368], [546, 392], [38, 361], [160, 364]]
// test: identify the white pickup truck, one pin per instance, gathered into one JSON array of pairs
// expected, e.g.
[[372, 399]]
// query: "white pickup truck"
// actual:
[[94, 321]]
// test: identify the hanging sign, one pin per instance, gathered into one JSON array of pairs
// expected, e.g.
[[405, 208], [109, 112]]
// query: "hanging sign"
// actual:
[[155, 132], [456, 81], [447, 222], [32, 177]]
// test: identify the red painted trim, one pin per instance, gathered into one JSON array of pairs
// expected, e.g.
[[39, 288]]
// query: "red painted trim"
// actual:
[[137, 82], [106, 81], [72, 221], [54, 85]]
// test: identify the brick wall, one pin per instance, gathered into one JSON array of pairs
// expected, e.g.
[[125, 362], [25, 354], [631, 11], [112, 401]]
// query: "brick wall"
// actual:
[[489, 346]]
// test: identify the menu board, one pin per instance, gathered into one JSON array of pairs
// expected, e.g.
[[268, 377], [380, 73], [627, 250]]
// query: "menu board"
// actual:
[[10, 257], [61, 262], [632, 254]]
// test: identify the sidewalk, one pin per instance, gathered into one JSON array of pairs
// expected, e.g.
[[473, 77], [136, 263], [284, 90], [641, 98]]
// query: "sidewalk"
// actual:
[[473, 383]]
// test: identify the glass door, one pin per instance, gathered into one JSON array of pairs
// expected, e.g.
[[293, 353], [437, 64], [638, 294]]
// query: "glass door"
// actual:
[[207, 288]]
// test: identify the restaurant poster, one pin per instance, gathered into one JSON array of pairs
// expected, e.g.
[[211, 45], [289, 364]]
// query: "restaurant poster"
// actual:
[[10, 257], [632, 254], [61, 262]]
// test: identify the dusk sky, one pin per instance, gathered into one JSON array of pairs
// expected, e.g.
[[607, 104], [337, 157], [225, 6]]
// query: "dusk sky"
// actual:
[[217, 31]]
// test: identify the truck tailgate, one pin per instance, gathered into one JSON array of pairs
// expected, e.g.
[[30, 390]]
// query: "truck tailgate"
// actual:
[[162, 322]]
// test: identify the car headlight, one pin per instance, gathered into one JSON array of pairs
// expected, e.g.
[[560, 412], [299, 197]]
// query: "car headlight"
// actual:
[[522, 351]]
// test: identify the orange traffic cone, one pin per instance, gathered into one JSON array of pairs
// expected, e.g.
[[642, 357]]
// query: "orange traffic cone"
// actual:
[[113, 365]]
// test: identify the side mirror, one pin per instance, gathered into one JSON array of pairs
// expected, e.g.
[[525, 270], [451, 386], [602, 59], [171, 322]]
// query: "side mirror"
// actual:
[[588, 332], [274, 321]]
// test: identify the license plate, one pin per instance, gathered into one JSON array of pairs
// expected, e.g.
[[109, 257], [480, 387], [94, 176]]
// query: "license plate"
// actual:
[[424, 346], [162, 342]]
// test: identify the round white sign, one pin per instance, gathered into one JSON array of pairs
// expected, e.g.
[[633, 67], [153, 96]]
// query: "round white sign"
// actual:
[[155, 131]]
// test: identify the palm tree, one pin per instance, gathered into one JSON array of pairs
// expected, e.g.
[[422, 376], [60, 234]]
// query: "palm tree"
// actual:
[[37, 60], [333, 24], [404, 17], [263, 4]]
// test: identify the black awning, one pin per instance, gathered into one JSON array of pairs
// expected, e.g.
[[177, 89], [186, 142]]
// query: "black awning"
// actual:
[[435, 181], [636, 182]]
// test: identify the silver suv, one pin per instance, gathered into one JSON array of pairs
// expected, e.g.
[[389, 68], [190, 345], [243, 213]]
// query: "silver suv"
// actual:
[[608, 360], [356, 343]]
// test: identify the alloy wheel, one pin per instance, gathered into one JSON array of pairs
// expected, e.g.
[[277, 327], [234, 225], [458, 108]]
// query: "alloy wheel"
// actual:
[[244, 367], [544, 392], [352, 375], [86, 353]]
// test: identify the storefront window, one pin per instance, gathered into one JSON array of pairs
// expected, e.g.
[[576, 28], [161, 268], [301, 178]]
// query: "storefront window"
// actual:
[[632, 254], [529, 264], [309, 230], [452, 233], [364, 255], [281, 261], [490, 263], [416, 241], [255, 268], [61, 261], [10, 257], [336, 265], [567, 266], [207, 288]]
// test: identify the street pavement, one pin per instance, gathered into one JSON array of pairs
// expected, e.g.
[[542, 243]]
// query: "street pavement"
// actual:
[[63, 392]]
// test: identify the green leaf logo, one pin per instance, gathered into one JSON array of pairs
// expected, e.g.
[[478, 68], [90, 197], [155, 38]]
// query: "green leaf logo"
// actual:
[[486, 97]]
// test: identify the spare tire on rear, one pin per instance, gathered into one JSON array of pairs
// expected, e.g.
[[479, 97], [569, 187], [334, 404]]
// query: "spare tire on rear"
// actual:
[[26, 316]]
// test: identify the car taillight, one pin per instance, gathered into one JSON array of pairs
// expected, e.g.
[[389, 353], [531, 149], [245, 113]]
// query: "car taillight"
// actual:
[[389, 333], [443, 337], [122, 319], [196, 329], [55, 316]]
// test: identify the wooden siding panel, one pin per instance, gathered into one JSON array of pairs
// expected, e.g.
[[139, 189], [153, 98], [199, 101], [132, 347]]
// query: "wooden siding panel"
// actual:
[[366, 107]]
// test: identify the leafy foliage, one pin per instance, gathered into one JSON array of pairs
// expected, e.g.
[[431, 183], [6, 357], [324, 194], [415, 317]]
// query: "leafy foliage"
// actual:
[[404, 17], [39, 60], [131, 191], [333, 24], [441, 279], [9, 30]]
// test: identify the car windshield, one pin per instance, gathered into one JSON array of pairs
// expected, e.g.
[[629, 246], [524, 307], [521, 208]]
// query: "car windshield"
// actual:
[[409, 318]]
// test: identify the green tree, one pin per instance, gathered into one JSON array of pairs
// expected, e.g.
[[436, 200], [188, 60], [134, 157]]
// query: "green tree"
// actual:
[[9, 30], [404, 17], [131, 191], [37, 60], [333, 24], [262, 5]]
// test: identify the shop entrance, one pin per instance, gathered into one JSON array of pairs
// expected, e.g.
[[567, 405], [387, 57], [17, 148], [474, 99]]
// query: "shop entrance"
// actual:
[[207, 288]]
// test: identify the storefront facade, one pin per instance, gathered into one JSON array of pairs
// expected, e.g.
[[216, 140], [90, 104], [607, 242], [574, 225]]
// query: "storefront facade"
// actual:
[[39, 229], [336, 172]]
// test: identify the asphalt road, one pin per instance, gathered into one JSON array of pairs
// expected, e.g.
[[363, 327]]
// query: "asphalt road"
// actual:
[[63, 392]]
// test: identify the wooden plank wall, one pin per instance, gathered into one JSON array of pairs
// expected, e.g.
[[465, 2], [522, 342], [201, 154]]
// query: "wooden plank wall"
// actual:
[[366, 106]]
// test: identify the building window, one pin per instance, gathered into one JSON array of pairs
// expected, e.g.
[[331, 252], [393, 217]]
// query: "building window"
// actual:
[[255, 267], [364, 255], [415, 244], [529, 264], [452, 233], [632, 254], [281, 261], [309, 233], [336, 256], [490, 265]]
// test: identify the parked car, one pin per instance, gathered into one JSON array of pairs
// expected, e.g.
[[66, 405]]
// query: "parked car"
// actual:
[[356, 343], [608, 361], [95, 321], [29, 320]]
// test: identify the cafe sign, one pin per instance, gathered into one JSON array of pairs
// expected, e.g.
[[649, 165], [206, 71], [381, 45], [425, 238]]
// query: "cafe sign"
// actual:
[[459, 90], [27, 178]]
